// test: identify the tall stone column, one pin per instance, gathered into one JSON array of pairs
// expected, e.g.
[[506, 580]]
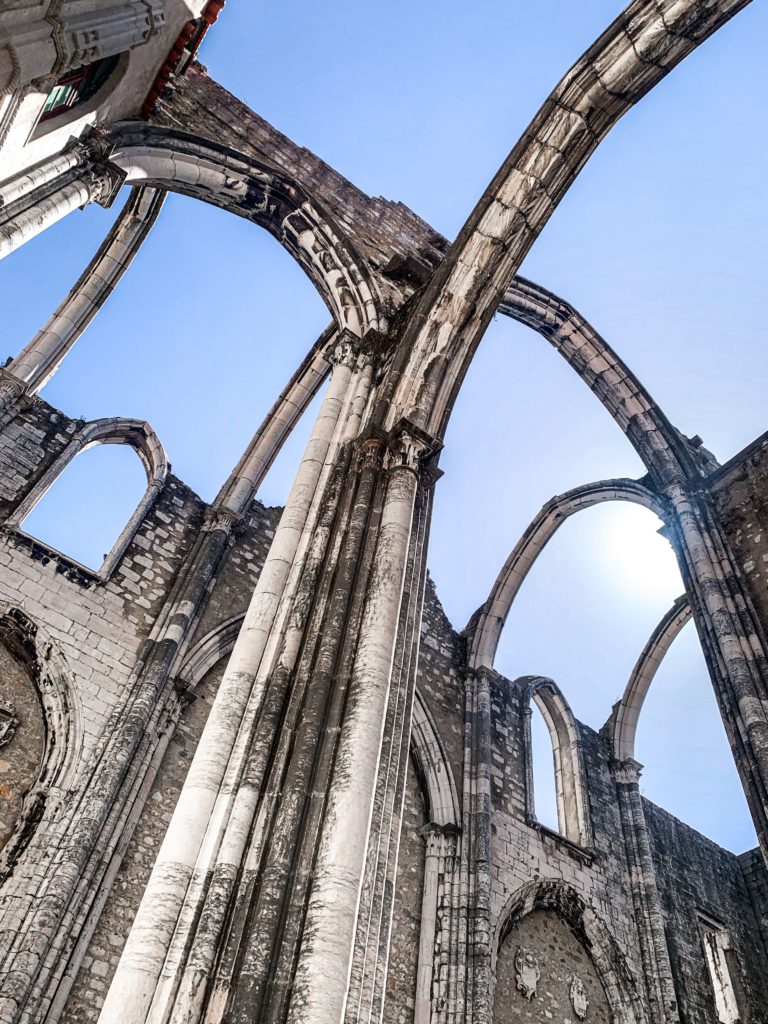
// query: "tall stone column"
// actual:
[[207, 794], [732, 639], [649, 919], [434, 865], [322, 973], [89, 178]]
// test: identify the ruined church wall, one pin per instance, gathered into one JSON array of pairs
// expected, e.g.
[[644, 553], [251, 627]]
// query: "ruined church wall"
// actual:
[[524, 851], [740, 492], [695, 876], [98, 626]]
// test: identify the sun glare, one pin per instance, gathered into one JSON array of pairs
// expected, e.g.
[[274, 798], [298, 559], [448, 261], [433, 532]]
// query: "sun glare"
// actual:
[[636, 555]]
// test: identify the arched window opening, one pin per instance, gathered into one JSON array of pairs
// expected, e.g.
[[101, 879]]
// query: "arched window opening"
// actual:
[[589, 604], [681, 742], [724, 971], [556, 793], [543, 800], [78, 86], [85, 510]]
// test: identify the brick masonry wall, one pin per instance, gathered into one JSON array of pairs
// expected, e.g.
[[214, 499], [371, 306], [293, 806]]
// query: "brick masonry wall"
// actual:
[[697, 876]]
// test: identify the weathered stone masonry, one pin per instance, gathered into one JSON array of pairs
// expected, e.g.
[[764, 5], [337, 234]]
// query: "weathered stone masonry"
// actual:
[[253, 771]]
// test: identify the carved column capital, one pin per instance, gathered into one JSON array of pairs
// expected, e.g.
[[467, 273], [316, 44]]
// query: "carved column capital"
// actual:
[[371, 449], [627, 772], [345, 351], [410, 447], [104, 178], [221, 519], [12, 389]]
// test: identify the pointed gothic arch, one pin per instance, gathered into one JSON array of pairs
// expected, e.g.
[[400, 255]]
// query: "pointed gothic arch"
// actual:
[[610, 963], [573, 814], [486, 624], [116, 430], [266, 195], [48, 670], [627, 711]]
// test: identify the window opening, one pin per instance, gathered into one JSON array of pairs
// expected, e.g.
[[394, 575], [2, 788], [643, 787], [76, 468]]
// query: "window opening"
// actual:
[[77, 86], [85, 510], [544, 797], [720, 959]]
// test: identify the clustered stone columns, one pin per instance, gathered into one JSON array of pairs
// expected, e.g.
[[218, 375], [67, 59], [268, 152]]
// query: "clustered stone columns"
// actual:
[[659, 984], [90, 178], [732, 638], [205, 842]]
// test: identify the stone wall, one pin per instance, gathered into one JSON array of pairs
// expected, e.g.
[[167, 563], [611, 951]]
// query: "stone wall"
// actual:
[[740, 490], [99, 628], [696, 877], [406, 919], [22, 739]]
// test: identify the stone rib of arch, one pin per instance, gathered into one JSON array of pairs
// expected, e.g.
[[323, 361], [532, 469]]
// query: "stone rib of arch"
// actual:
[[265, 195], [644, 43], [488, 621], [657, 442], [39, 360], [629, 707]]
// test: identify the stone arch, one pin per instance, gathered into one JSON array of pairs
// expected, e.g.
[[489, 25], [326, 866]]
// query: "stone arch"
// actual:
[[48, 670], [634, 53], [616, 977], [116, 430], [487, 623], [665, 453], [39, 360], [627, 712], [208, 651], [435, 770], [573, 814], [265, 195]]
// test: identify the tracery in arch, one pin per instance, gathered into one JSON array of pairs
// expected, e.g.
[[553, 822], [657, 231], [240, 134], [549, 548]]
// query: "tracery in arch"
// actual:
[[549, 921]]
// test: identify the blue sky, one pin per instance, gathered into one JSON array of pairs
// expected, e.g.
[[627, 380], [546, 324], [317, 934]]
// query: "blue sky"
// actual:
[[659, 243]]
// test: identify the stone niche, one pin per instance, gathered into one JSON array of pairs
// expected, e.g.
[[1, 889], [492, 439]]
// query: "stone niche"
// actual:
[[22, 739], [544, 973]]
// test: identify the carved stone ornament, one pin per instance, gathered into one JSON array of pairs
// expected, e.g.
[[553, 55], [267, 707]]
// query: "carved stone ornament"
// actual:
[[579, 998], [527, 972], [8, 722]]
